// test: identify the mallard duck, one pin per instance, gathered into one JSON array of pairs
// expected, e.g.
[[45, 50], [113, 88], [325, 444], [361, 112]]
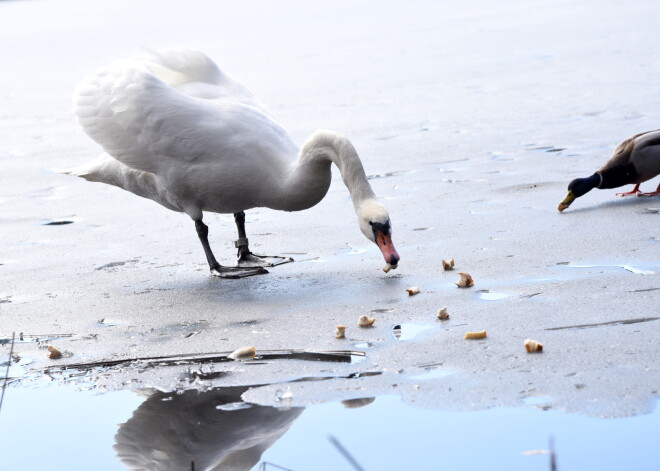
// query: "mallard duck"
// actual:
[[635, 160], [178, 130]]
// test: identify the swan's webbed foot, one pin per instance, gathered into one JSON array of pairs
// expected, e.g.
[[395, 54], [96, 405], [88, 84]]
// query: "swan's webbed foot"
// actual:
[[248, 259], [217, 269], [237, 272]]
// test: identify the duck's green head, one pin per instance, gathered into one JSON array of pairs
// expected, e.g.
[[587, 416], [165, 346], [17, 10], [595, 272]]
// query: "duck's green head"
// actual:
[[577, 188]]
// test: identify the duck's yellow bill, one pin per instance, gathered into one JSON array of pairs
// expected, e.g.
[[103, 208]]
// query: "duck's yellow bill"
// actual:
[[566, 202]]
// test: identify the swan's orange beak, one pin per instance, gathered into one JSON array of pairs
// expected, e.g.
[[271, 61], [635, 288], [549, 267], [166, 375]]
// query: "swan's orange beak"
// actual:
[[384, 242]]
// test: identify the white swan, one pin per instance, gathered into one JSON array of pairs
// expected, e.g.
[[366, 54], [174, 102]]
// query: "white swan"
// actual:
[[179, 131]]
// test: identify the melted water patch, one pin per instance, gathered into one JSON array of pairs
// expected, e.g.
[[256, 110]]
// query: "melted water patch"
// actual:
[[17, 369], [433, 373], [213, 425], [630, 268], [637, 271], [409, 330], [487, 295], [364, 345]]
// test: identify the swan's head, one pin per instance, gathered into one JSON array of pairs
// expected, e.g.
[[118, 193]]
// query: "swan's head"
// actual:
[[375, 224]]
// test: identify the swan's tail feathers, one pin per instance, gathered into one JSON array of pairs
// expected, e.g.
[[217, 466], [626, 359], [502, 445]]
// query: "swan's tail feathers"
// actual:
[[89, 171]]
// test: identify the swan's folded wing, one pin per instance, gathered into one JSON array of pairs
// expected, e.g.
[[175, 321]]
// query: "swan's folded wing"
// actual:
[[136, 117], [148, 125]]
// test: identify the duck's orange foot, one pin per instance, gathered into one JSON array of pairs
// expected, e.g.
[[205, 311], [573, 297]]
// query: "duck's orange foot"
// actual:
[[652, 193], [634, 191]]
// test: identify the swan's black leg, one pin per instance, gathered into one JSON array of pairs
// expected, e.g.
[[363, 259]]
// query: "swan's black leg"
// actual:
[[242, 243], [247, 258], [216, 268]]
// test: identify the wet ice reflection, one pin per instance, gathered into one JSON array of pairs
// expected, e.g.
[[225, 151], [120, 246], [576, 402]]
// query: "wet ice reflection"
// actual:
[[220, 431], [215, 429], [409, 330]]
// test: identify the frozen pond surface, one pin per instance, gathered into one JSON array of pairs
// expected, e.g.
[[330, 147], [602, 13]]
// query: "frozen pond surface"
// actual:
[[164, 431], [470, 119]]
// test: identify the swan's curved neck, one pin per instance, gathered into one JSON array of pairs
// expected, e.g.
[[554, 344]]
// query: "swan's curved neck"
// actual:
[[310, 175]]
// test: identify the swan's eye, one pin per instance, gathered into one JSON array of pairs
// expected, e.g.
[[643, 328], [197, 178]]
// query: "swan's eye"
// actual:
[[371, 223], [380, 228]]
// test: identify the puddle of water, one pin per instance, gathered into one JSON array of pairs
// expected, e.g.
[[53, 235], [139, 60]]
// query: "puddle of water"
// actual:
[[432, 373], [364, 345], [487, 295], [16, 369], [637, 271], [165, 431], [630, 268], [425, 438], [409, 330], [61, 428]]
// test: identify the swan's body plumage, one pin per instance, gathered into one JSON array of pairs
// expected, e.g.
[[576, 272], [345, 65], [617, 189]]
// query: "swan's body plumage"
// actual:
[[193, 125], [178, 130]]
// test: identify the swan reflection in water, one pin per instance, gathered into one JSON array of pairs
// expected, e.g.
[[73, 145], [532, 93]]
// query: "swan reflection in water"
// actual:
[[216, 429]]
